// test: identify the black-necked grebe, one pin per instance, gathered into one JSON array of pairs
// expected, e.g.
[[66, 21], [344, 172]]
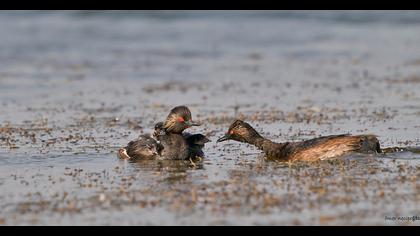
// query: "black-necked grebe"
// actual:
[[310, 150], [171, 142], [170, 137], [178, 120]]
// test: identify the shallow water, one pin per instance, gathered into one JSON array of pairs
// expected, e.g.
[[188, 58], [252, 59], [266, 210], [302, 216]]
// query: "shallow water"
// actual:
[[76, 86]]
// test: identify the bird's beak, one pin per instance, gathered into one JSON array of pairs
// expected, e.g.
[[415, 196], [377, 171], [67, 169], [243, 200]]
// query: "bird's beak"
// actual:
[[192, 123], [206, 140], [224, 138]]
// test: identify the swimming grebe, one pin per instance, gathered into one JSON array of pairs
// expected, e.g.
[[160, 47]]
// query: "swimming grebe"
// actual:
[[171, 143], [175, 144], [310, 150]]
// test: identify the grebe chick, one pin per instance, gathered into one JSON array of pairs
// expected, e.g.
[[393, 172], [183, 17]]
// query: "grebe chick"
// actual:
[[159, 130], [145, 147], [197, 140], [196, 144], [310, 150]]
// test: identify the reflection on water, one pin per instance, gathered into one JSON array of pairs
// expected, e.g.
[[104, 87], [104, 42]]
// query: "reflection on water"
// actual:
[[171, 171]]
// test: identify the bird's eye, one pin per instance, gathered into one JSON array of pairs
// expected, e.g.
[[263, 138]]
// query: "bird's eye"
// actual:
[[231, 132], [181, 119]]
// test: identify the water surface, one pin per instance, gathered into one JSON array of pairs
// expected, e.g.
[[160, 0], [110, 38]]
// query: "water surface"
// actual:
[[77, 85]]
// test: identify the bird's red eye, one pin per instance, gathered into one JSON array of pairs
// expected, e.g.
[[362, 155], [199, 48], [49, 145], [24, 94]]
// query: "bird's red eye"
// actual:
[[181, 119], [231, 132]]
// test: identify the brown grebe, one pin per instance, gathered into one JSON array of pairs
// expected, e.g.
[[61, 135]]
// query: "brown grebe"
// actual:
[[310, 150]]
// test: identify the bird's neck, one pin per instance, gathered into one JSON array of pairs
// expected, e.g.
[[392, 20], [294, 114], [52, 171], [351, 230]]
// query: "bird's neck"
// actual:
[[270, 148], [261, 143]]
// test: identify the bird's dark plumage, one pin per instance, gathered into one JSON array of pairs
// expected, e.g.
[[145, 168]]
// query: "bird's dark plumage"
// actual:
[[168, 138]]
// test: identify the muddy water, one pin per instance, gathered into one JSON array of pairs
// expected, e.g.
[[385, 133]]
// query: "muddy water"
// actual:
[[76, 86]]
